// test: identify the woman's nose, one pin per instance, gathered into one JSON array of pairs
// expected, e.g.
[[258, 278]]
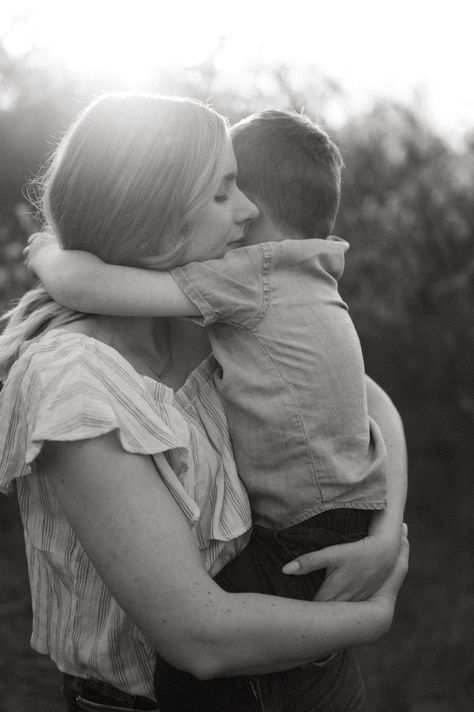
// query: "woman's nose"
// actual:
[[247, 209]]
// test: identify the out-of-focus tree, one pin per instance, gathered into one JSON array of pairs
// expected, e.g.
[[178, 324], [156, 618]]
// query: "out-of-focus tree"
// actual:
[[408, 212], [37, 103], [258, 86], [33, 107]]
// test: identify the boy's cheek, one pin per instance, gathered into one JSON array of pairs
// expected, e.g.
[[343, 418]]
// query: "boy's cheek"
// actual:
[[260, 231]]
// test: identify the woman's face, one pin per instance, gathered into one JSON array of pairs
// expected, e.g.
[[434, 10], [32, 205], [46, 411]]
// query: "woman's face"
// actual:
[[221, 222]]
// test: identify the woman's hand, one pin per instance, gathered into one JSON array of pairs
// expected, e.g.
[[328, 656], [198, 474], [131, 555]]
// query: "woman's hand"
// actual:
[[355, 571]]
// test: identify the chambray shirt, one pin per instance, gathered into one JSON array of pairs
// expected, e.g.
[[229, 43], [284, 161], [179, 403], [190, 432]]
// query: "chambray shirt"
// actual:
[[292, 378], [68, 386]]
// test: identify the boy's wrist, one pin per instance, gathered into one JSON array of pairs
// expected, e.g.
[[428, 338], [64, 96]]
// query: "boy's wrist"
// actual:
[[41, 257]]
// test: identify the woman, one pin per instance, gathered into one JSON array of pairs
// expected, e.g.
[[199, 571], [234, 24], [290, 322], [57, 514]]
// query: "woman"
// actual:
[[129, 494]]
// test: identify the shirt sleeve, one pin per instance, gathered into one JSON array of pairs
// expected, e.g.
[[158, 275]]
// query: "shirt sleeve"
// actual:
[[233, 289], [331, 255], [76, 390]]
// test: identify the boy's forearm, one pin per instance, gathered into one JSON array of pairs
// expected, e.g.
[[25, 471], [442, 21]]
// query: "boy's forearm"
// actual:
[[382, 410], [130, 291], [81, 281], [76, 280]]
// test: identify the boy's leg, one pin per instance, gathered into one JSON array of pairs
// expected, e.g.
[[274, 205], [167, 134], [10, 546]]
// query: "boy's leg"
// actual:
[[335, 685]]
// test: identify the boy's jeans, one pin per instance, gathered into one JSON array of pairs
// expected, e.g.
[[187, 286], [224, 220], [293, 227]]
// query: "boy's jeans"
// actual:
[[333, 684]]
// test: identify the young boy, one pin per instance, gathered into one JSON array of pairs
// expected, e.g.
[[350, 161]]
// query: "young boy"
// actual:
[[292, 373]]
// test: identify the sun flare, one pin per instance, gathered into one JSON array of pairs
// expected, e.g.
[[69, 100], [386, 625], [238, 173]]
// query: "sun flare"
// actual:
[[402, 50], [113, 38]]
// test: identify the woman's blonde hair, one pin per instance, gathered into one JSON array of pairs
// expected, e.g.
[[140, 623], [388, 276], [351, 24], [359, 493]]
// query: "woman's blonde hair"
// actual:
[[125, 183]]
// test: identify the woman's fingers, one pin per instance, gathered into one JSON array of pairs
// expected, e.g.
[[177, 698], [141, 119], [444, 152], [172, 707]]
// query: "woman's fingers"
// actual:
[[313, 561], [405, 546]]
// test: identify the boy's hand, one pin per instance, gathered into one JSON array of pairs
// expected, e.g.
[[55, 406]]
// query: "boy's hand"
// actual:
[[39, 244], [354, 572]]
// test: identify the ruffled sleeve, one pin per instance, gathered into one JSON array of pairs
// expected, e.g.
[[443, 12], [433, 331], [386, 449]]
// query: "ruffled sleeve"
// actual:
[[71, 387]]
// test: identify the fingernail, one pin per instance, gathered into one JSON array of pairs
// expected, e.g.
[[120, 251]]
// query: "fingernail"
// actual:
[[291, 568]]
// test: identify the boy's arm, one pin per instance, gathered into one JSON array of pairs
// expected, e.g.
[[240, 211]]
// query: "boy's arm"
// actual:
[[354, 570], [83, 282]]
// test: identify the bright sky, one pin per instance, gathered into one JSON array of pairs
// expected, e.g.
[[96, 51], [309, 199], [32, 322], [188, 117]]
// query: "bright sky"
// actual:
[[372, 48]]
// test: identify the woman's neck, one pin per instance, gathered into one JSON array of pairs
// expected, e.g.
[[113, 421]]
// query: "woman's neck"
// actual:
[[164, 349], [142, 333], [143, 341]]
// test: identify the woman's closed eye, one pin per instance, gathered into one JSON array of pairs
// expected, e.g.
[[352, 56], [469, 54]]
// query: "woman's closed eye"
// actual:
[[221, 198]]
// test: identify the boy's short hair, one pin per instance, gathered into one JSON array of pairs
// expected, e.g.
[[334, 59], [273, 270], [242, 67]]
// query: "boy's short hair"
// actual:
[[288, 163]]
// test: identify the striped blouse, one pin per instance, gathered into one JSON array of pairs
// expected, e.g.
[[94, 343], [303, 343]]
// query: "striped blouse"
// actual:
[[68, 386]]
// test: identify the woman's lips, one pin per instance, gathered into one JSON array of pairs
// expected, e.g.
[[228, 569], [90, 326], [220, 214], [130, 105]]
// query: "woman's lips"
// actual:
[[236, 243]]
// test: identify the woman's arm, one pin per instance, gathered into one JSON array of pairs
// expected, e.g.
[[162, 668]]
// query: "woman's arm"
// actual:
[[387, 523], [354, 571], [141, 545], [83, 282]]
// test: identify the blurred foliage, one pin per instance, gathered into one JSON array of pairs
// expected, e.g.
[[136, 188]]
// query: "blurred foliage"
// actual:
[[408, 212]]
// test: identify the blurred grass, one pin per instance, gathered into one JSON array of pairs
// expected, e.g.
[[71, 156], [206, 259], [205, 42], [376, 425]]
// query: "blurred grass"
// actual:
[[425, 663]]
